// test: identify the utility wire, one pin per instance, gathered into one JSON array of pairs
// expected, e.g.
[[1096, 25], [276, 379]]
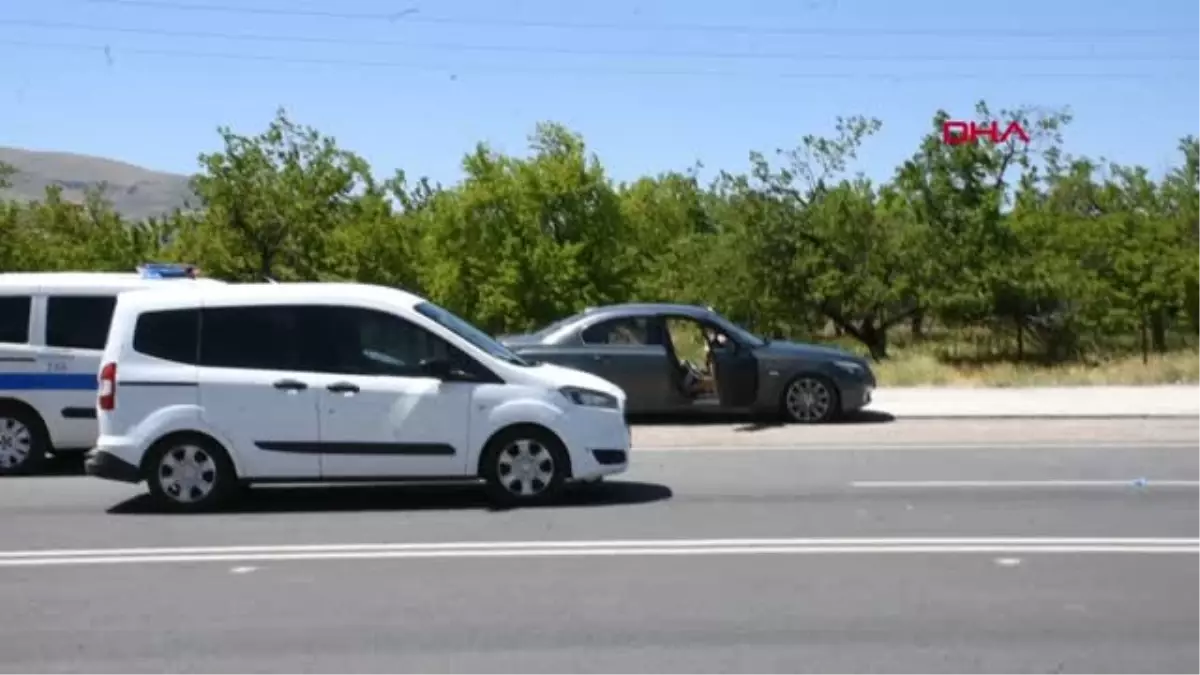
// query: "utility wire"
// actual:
[[413, 16], [112, 54], [522, 49]]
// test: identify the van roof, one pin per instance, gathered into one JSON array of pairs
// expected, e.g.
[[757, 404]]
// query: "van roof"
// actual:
[[259, 293], [95, 280]]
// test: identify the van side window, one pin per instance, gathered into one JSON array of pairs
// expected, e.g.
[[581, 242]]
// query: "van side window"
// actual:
[[14, 319], [78, 321], [368, 342], [173, 335], [254, 337]]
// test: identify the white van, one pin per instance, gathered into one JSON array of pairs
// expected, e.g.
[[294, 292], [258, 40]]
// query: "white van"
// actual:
[[52, 331], [207, 389]]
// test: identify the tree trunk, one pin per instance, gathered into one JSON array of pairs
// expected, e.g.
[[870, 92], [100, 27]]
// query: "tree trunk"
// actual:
[[876, 340], [266, 262], [917, 324], [1193, 308], [1158, 330], [1020, 339], [1145, 342]]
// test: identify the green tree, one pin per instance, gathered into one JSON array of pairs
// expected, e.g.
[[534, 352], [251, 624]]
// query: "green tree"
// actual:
[[840, 251], [273, 201], [523, 241], [963, 194], [1065, 256]]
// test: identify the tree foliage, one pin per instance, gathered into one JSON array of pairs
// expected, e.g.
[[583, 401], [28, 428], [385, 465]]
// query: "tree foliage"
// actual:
[[1067, 255]]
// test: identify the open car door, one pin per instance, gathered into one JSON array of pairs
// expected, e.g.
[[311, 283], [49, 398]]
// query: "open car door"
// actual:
[[736, 371]]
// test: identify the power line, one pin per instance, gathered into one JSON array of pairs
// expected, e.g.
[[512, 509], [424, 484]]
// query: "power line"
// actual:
[[413, 16], [111, 53], [521, 49], [262, 11]]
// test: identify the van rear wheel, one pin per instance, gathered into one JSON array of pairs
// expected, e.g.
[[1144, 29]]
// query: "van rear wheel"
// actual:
[[23, 441], [190, 473]]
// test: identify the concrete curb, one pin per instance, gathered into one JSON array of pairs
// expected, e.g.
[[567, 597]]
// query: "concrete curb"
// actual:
[[1125, 402], [1054, 416], [916, 445]]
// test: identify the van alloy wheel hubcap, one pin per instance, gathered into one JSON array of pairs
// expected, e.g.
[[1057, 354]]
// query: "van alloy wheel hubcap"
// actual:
[[525, 468], [808, 399], [16, 442], [187, 473]]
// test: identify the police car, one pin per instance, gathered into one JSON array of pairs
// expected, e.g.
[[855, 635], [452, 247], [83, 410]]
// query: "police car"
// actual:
[[53, 326]]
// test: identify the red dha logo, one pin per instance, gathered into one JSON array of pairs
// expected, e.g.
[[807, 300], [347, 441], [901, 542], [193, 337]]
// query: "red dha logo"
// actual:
[[957, 133]]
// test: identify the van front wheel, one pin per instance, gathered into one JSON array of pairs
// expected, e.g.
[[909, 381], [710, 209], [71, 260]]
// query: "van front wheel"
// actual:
[[525, 466]]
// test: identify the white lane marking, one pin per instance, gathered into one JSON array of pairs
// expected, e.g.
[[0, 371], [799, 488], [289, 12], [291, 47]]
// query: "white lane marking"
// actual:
[[611, 543], [242, 570], [1008, 562], [834, 446], [599, 552], [603, 549], [1148, 482]]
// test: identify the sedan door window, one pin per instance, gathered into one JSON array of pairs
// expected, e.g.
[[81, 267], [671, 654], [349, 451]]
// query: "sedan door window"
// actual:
[[634, 330]]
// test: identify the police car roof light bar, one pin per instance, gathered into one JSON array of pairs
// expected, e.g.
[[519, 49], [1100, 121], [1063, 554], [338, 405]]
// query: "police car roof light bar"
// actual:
[[167, 270]]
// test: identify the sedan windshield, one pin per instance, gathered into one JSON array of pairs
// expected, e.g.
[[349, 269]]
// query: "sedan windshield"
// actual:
[[738, 333], [470, 333], [544, 332]]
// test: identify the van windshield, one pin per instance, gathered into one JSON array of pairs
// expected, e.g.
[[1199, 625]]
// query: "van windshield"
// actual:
[[470, 333]]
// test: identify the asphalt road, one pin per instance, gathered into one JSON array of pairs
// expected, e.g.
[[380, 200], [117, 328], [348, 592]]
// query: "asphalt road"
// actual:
[[829, 557]]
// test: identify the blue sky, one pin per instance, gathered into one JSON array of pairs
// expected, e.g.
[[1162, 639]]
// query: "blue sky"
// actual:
[[653, 85]]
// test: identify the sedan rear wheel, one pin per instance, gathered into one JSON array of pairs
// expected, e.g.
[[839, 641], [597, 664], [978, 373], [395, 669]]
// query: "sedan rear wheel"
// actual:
[[810, 399]]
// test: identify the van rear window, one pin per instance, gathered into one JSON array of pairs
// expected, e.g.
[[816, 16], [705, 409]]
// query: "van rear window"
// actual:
[[171, 334], [78, 321], [14, 319]]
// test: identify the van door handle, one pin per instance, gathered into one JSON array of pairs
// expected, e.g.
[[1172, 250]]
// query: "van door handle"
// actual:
[[290, 385], [343, 388]]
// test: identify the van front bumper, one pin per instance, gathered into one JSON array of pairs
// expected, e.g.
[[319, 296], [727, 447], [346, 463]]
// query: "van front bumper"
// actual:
[[106, 465], [599, 441]]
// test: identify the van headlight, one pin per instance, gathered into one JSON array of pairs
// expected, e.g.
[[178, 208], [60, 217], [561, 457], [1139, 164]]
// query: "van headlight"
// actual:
[[588, 397]]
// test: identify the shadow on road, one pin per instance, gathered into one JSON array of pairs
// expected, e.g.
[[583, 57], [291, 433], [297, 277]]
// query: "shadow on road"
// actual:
[[335, 498], [748, 422], [55, 466], [867, 417]]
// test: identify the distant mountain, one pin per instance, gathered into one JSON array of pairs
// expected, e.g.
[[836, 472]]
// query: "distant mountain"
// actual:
[[134, 191]]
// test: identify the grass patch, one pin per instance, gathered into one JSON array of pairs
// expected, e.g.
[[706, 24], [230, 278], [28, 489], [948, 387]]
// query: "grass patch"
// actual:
[[916, 367], [983, 359]]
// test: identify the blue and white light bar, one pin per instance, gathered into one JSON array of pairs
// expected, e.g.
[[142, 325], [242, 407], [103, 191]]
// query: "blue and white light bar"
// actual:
[[168, 271]]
